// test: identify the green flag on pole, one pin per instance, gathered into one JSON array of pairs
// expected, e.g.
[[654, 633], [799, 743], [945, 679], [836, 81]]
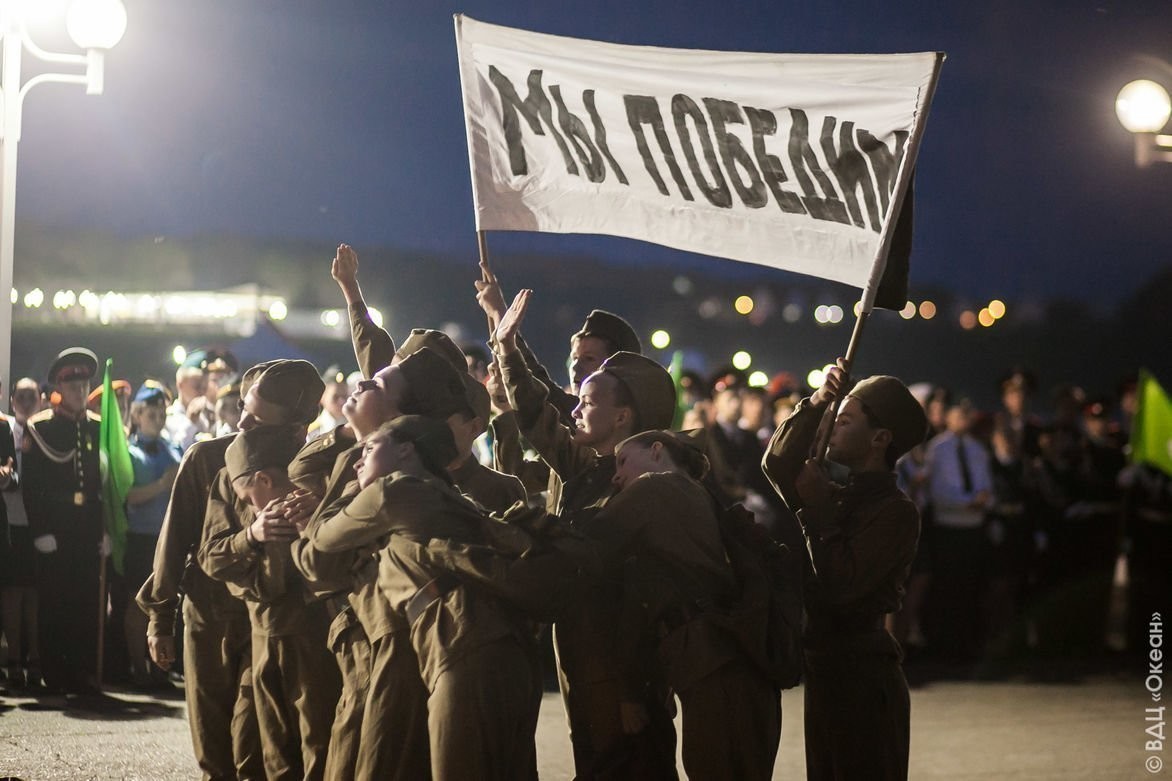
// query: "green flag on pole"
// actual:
[[117, 470], [1151, 429]]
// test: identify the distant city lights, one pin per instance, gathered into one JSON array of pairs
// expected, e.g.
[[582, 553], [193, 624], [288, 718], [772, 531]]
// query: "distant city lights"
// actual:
[[330, 318], [997, 309], [986, 318], [927, 310], [743, 305], [742, 360], [758, 379], [278, 310], [968, 320], [34, 298], [660, 339]]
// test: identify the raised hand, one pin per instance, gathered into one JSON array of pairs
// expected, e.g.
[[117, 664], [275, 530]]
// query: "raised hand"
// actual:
[[344, 269], [832, 386], [510, 324]]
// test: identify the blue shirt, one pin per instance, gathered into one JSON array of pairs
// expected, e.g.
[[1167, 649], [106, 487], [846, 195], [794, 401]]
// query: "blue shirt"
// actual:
[[147, 517]]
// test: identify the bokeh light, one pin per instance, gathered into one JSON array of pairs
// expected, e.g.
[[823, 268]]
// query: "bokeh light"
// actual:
[[660, 339]]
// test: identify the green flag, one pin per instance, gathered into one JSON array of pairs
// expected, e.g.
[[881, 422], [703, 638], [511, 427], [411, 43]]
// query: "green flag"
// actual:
[[676, 370], [117, 471], [1151, 428]]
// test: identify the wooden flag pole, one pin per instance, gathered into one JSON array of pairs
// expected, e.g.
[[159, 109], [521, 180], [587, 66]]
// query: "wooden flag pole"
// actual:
[[486, 274], [867, 302]]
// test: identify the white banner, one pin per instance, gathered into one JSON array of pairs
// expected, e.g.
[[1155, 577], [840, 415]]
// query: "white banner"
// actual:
[[786, 160]]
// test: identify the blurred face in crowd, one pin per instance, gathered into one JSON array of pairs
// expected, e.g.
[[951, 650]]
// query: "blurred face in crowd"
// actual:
[[634, 459], [586, 354], [73, 394], [1013, 399], [334, 397], [375, 401], [149, 419], [213, 383], [598, 417], [228, 412], [191, 384], [465, 429], [727, 405], [26, 399], [957, 419], [752, 411]]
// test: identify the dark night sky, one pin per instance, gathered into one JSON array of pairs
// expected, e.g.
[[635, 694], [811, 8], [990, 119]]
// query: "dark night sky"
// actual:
[[341, 120]]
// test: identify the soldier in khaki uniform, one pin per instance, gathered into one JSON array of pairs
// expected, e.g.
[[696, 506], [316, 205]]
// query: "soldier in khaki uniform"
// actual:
[[662, 533], [250, 553], [469, 647], [217, 645], [381, 719], [629, 394], [861, 532]]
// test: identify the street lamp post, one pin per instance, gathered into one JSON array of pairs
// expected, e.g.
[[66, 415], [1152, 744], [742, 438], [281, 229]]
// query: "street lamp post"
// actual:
[[95, 26], [1143, 108]]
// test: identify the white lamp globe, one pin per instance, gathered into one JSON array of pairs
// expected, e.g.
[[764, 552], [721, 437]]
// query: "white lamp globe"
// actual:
[[1143, 106], [96, 24]]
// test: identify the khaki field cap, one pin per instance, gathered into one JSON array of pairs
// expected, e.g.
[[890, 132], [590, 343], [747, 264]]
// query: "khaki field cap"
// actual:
[[434, 387], [292, 385], [650, 385], [262, 448], [432, 439], [477, 397], [896, 409], [436, 340], [612, 328]]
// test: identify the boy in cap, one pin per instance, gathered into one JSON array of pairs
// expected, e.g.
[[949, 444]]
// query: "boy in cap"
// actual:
[[62, 494], [294, 683], [628, 394], [861, 532], [217, 647]]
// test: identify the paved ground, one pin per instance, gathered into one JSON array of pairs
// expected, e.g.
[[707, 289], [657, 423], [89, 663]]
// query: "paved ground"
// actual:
[[1090, 729]]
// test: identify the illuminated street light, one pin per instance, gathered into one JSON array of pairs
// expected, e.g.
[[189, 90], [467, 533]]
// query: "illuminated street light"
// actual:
[[1143, 108], [95, 26]]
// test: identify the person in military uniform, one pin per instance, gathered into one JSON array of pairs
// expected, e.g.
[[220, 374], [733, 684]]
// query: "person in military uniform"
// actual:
[[861, 532], [380, 726], [250, 553], [217, 646], [662, 534], [470, 648], [295, 685], [628, 394], [62, 495]]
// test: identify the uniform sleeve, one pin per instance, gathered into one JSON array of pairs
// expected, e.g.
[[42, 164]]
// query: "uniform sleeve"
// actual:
[[508, 455], [325, 573], [852, 566], [35, 468], [8, 451], [540, 422], [179, 537], [225, 553], [373, 347], [788, 450], [363, 522]]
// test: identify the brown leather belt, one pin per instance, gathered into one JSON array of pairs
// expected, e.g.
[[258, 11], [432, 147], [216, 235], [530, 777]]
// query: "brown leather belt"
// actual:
[[428, 593]]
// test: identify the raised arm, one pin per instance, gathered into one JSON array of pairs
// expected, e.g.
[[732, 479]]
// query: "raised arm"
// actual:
[[373, 346]]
